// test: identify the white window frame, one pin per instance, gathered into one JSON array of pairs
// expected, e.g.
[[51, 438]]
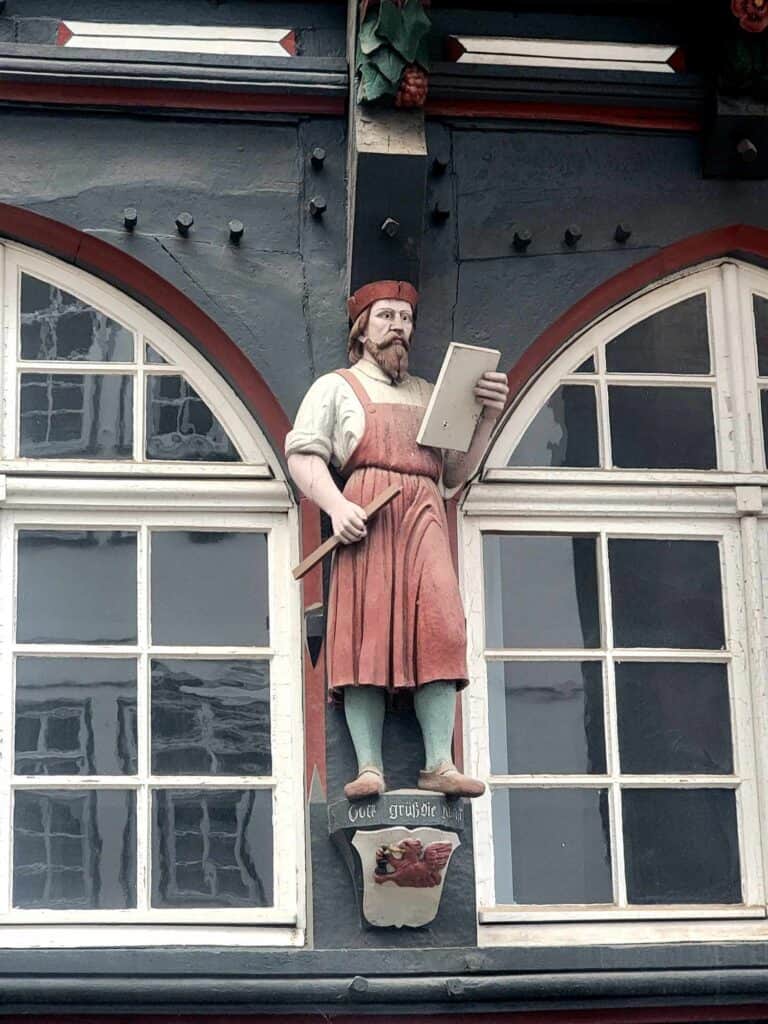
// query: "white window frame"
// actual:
[[722, 503], [251, 495], [258, 460]]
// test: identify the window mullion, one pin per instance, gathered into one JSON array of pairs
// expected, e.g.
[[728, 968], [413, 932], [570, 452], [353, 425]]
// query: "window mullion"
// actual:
[[727, 330], [10, 330], [611, 730], [5, 336], [754, 717], [603, 414], [749, 400], [7, 576], [139, 400], [143, 713]]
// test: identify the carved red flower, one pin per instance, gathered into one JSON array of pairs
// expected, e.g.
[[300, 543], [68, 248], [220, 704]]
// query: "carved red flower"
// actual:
[[752, 14]]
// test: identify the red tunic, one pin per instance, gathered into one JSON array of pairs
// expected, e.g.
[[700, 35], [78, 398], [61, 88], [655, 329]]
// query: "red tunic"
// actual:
[[395, 615]]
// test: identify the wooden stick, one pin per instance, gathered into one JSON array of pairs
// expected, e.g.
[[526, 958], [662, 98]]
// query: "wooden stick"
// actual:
[[333, 542]]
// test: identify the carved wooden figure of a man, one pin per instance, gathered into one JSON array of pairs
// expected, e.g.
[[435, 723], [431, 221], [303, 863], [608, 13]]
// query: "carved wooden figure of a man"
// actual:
[[395, 618]]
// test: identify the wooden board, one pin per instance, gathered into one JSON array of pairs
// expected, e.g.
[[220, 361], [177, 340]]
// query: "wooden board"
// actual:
[[453, 410]]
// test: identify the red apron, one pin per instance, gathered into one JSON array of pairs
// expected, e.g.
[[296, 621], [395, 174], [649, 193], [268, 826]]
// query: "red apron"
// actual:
[[395, 617]]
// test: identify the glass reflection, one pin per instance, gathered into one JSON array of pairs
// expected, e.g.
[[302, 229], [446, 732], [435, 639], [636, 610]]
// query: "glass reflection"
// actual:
[[76, 416], [681, 846], [563, 433], [666, 593], [588, 366], [211, 717], [546, 716], [673, 718], [74, 849], [75, 716], [209, 588], [674, 340], [662, 428], [57, 325], [76, 586], [151, 355], [552, 846], [212, 848], [181, 426], [764, 418], [760, 308], [540, 591]]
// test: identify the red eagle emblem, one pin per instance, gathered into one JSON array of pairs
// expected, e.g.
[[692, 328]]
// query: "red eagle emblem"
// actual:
[[409, 864]]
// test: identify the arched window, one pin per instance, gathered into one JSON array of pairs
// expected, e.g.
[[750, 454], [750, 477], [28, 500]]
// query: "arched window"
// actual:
[[151, 718], [614, 552]]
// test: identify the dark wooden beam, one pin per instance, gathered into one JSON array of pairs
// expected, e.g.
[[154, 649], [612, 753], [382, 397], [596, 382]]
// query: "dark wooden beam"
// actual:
[[387, 194], [387, 182]]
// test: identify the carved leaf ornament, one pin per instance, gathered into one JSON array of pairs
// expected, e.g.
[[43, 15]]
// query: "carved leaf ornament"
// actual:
[[392, 51], [752, 14]]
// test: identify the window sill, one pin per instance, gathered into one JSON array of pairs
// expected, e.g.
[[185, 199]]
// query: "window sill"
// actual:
[[74, 936], [621, 932]]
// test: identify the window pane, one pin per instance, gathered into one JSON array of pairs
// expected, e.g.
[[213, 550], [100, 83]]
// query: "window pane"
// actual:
[[764, 417], [666, 593], [57, 325], [212, 848], [209, 588], [563, 432], [63, 579], [674, 340], [662, 428], [76, 416], [151, 355], [180, 425], [760, 306], [673, 718], [540, 591], [210, 717], [75, 716], [552, 846], [681, 846], [74, 849], [588, 366], [546, 716]]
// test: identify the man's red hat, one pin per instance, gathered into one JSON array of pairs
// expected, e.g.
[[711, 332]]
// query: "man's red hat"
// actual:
[[369, 293]]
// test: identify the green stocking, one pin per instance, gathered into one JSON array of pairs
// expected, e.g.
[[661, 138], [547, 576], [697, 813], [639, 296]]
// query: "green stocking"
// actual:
[[364, 711], [435, 705]]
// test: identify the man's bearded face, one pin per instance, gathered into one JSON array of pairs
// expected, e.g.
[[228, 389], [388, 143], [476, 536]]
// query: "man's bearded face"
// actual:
[[388, 336]]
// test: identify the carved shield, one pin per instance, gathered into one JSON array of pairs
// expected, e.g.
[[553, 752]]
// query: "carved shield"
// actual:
[[403, 874]]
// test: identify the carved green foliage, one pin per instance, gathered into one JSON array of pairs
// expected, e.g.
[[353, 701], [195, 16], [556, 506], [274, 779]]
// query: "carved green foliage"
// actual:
[[392, 35]]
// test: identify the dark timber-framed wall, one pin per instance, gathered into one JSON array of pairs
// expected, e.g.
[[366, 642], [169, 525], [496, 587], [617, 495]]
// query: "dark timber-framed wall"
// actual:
[[534, 152]]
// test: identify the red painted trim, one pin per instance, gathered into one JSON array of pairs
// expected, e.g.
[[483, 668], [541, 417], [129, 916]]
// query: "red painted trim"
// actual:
[[149, 288], [454, 48], [64, 34], [288, 43], [641, 1015], [315, 702], [314, 675], [736, 240], [616, 117], [678, 61], [452, 514], [67, 94]]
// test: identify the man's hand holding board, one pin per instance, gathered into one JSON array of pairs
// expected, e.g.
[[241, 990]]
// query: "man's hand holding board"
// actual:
[[459, 397]]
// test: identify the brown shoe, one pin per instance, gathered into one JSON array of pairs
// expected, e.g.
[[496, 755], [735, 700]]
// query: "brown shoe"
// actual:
[[447, 778], [369, 782]]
